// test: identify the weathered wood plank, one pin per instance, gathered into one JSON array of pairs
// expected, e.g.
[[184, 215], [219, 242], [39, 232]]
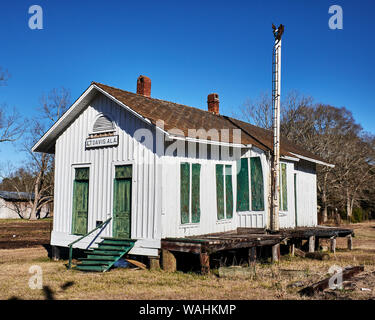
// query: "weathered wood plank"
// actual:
[[311, 243], [276, 253], [181, 247], [323, 284], [317, 255], [205, 262], [243, 230], [321, 232], [299, 253], [350, 242], [333, 245]]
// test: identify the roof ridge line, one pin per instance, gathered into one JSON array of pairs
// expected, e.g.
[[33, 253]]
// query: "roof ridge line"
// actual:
[[152, 98]]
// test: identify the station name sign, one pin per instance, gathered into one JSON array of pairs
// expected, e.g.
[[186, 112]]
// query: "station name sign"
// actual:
[[108, 141]]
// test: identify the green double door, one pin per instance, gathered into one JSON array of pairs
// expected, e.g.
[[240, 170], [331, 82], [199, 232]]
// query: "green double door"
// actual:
[[122, 191]]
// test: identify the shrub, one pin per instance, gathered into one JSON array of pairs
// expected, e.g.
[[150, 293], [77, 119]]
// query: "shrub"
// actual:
[[357, 215]]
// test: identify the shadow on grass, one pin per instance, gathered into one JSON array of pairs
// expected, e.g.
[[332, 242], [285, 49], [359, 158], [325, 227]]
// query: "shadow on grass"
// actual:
[[48, 292]]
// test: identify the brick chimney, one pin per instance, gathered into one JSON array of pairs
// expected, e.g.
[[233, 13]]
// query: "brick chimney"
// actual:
[[213, 103], [144, 86]]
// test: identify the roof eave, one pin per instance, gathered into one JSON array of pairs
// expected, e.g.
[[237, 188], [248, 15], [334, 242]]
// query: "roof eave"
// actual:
[[45, 143], [314, 160]]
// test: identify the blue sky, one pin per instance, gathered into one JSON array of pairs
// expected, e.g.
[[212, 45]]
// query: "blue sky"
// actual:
[[189, 49]]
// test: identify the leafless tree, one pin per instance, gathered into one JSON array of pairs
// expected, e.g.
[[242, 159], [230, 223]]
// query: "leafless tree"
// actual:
[[259, 111], [40, 166], [52, 106], [332, 134], [11, 124]]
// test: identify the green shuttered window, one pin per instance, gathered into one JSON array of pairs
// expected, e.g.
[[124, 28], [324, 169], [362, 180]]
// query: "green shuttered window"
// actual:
[[243, 186], [250, 185], [190, 192], [224, 192], [257, 189], [185, 192], [283, 188], [220, 192], [195, 193], [228, 192]]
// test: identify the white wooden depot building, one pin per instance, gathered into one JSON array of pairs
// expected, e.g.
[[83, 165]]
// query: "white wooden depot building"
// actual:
[[133, 158]]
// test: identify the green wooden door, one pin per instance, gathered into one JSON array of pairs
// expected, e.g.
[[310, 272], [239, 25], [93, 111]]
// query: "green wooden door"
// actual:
[[80, 201], [122, 201]]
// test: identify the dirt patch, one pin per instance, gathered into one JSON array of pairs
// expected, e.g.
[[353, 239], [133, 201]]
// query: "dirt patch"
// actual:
[[24, 234]]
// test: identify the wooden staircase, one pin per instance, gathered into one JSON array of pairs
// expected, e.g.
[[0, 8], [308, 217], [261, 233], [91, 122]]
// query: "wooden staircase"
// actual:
[[109, 251]]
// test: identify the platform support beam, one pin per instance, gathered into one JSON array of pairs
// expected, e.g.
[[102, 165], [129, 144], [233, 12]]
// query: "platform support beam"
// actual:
[[154, 263], [311, 243], [292, 248], [333, 244], [276, 253], [252, 255], [205, 262], [55, 253], [169, 263], [350, 242], [317, 243]]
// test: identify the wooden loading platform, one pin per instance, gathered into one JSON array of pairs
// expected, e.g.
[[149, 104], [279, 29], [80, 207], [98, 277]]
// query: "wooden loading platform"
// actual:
[[252, 238]]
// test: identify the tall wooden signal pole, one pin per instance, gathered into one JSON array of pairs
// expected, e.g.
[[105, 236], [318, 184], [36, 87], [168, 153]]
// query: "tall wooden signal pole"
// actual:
[[276, 88]]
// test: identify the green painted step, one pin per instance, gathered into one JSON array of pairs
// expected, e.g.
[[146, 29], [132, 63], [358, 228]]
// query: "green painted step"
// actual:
[[99, 257], [90, 268], [109, 251], [104, 252], [118, 239], [95, 262], [114, 248], [117, 242]]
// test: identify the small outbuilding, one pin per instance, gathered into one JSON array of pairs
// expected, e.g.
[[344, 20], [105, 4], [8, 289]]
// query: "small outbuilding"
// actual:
[[15, 205]]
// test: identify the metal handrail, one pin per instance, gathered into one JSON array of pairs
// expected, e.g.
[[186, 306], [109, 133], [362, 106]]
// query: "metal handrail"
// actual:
[[84, 236]]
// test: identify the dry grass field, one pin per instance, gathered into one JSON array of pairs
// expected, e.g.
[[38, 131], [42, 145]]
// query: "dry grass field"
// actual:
[[265, 281]]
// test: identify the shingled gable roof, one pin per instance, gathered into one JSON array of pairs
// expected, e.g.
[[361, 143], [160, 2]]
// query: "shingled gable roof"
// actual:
[[182, 117]]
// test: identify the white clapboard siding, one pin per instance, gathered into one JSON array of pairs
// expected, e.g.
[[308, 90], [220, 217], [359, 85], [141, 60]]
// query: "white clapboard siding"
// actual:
[[71, 153], [306, 195], [287, 218]]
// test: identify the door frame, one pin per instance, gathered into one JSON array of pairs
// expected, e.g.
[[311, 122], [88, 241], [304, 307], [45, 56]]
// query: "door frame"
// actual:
[[113, 167], [89, 205]]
